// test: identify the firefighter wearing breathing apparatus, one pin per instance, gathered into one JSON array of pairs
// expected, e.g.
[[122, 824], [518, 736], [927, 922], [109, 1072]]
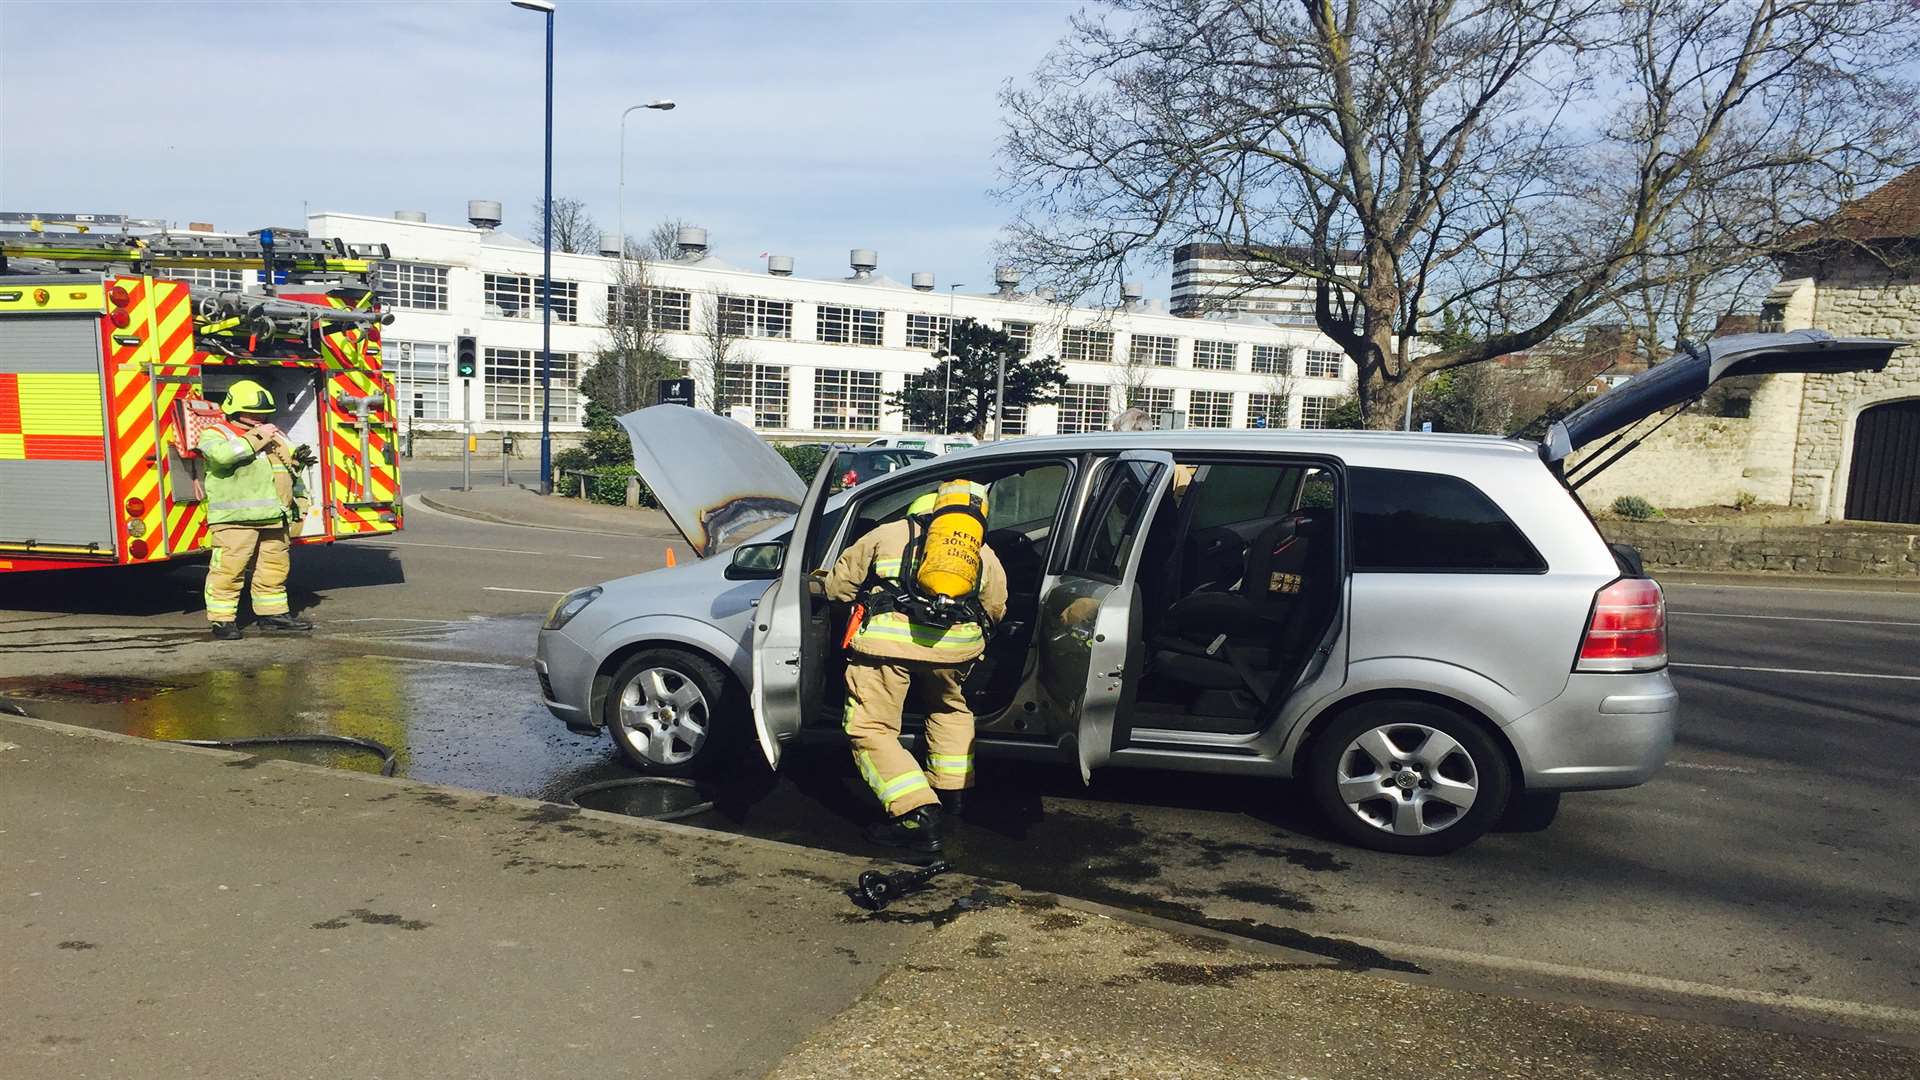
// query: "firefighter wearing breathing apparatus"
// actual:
[[925, 591], [253, 493]]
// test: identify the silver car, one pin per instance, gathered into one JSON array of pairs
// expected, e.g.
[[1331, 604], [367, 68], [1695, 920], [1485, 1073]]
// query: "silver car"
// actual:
[[1426, 630]]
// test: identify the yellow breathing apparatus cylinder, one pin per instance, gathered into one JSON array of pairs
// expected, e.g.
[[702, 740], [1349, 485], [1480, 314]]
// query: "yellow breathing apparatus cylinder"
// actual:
[[950, 566]]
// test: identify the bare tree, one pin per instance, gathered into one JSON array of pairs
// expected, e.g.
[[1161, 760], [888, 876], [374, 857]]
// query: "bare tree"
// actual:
[[628, 368], [574, 230], [1131, 375], [1281, 386], [1535, 164], [662, 242], [720, 355]]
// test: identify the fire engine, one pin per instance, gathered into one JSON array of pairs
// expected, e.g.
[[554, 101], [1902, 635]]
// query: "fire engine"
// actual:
[[117, 339]]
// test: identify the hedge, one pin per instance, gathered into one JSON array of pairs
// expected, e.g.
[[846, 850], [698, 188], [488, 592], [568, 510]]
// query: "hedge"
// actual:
[[608, 483]]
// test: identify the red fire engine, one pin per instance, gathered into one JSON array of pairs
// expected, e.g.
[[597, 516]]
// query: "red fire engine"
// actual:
[[111, 346]]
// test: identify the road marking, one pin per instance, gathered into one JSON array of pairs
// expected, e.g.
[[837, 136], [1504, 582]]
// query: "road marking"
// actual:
[[1800, 671], [447, 663], [1792, 618], [1851, 1010], [1787, 588], [468, 547], [415, 503], [534, 592]]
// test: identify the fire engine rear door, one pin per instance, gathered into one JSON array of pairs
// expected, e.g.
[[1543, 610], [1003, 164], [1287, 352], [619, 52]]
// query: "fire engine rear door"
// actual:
[[56, 491]]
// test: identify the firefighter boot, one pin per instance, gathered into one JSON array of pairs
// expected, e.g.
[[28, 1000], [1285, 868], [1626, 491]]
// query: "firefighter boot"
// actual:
[[952, 803], [282, 622], [226, 631], [917, 830]]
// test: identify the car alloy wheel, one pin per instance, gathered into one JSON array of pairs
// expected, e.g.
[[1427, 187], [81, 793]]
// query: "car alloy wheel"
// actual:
[[1408, 779], [663, 716]]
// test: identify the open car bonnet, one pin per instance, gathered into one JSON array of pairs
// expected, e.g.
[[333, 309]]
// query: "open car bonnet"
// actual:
[[1688, 375], [713, 476]]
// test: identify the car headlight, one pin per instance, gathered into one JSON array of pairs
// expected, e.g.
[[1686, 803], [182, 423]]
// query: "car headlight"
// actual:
[[570, 605]]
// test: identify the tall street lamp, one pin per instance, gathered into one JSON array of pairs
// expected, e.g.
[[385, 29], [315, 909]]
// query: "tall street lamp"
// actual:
[[664, 105], [946, 395], [545, 7]]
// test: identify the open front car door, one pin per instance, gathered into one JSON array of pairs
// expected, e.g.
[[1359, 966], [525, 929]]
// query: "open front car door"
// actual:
[[1090, 619], [791, 627]]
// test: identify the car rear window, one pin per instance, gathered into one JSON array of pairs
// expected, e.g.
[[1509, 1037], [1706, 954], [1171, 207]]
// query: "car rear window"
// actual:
[[1416, 522]]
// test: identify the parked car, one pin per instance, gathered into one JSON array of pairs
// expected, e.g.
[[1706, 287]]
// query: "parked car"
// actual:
[[1427, 631], [938, 444], [858, 466]]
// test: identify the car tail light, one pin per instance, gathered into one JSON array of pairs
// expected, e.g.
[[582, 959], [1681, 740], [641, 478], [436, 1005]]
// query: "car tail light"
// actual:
[[1628, 628]]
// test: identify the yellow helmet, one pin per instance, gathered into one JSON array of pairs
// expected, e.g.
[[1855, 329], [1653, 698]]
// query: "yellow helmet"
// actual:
[[247, 396]]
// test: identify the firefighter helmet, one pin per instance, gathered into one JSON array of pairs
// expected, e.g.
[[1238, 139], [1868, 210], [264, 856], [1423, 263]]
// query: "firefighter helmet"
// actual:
[[247, 396]]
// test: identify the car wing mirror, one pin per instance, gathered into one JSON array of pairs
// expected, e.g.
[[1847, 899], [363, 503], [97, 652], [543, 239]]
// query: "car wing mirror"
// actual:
[[757, 562]]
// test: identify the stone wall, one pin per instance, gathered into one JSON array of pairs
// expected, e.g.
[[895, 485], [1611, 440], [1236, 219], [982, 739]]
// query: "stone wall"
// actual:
[[1694, 461], [1858, 296], [1873, 550]]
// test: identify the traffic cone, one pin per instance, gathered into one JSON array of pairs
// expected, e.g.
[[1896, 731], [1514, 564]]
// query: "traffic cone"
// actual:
[[671, 561]]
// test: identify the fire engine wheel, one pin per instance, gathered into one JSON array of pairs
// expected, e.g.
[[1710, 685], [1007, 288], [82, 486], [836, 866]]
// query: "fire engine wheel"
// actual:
[[672, 713]]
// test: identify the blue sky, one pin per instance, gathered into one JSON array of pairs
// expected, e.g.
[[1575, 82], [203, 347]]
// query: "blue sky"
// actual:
[[803, 129]]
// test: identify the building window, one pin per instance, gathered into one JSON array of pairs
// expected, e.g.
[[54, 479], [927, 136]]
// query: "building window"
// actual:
[[1322, 364], [1213, 355], [1210, 409], [756, 317], [413, 285], [762, 386], [1314, 411], [1022, 335], [1087, 346], [1272, 360], [513, 386], [850, 326], [669, 309], [1266, 410], [205, 277], [1084, 407], [1150, 349], [1013, 420], [510, 296], [926, 331], [1152, 400], [419, 370], [846, 400]]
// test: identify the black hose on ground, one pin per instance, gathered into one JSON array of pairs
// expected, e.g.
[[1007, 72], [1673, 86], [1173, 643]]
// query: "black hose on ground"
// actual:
[[387, 762], [571, 798]]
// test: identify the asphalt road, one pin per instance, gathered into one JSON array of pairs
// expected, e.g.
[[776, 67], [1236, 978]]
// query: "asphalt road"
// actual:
[[1769, 871]]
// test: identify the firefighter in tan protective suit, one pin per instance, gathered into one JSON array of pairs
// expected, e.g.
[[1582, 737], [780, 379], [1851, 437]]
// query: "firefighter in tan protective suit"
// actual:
[[890, 653], [253, 494]]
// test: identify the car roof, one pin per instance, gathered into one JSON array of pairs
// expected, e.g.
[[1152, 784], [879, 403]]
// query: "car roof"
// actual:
[[1421, 451]]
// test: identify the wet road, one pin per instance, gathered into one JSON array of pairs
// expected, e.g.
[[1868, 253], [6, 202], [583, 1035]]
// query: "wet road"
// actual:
[[1774, 855]]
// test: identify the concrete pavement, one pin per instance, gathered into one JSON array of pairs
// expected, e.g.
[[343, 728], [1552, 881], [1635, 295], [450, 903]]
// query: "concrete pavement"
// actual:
[[186, 913]]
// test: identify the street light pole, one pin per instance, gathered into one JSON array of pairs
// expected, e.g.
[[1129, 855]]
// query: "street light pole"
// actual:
[[664, 105], [946, 395], [545, 7]]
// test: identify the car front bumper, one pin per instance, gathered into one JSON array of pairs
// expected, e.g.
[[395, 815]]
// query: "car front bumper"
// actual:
[[1603, 731], [566, 680]]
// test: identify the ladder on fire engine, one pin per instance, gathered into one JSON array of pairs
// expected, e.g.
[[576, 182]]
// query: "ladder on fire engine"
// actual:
[[287, 253]]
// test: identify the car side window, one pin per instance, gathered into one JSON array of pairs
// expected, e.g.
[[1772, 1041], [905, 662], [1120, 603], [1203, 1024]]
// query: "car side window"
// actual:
[[1119, 506], [1419, 522]]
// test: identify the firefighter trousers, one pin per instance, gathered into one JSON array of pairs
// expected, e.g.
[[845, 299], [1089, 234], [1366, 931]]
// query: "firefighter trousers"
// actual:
[[877, 692], [235, 548]]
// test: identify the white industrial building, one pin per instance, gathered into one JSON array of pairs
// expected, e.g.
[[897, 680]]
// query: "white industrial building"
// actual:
[[1223, 279], [821, 353]]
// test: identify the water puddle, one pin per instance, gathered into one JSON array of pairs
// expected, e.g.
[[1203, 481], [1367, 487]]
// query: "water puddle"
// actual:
[[87, 690]]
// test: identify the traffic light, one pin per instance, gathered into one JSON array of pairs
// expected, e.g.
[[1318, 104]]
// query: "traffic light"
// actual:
[[466, 355]]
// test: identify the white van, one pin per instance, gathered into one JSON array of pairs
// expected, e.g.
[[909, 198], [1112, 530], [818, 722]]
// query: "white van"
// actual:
[[938, 444]]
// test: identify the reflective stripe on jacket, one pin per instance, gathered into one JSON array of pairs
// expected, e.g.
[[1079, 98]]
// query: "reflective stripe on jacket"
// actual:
[[239, 479], [892, 634]]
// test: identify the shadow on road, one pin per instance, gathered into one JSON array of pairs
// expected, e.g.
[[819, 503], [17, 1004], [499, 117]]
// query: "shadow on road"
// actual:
[[176, 587]]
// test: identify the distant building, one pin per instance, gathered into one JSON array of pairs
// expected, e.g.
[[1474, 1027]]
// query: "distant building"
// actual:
[[820, 354], [1223, 281]]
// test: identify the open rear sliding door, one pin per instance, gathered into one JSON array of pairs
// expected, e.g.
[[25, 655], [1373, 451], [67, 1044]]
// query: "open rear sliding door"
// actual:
[[1092, 614], [791, 628]]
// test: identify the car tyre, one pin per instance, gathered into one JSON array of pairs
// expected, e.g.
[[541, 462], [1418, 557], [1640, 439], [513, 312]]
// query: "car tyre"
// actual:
[[1408, 777], [674, 713]]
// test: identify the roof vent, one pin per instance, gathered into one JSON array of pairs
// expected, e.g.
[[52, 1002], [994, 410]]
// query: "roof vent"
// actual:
[[416, 216], [780, 265], [610, 244], [1131, 293], [864, 262], [483, 213], [1044, 294], [923, 281], [690, 242], [1006, 279]]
